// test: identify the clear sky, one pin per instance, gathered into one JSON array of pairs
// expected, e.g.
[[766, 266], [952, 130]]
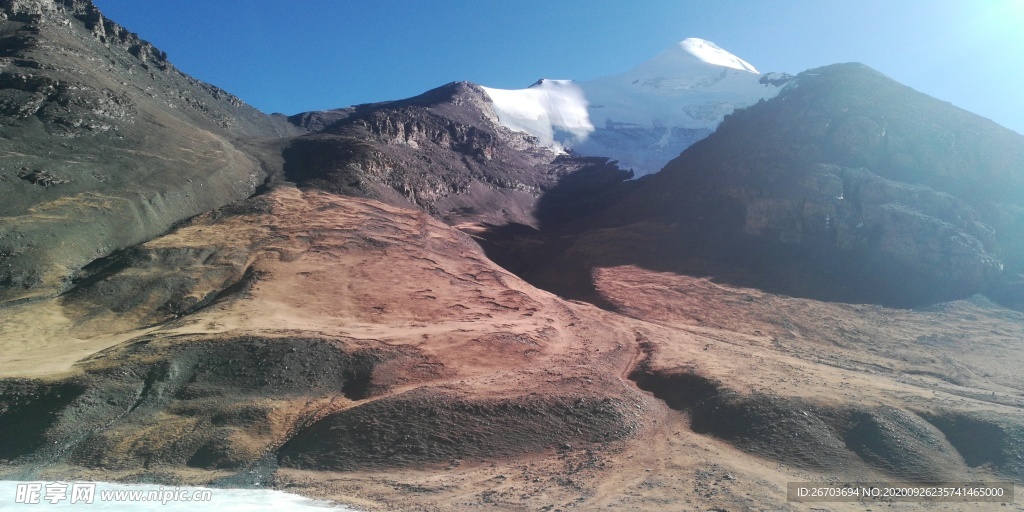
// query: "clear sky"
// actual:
[[300, 55]]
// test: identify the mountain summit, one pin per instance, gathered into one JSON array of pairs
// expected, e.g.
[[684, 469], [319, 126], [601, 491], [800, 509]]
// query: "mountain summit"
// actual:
[[644, 117], [689, 57], [711, 53]]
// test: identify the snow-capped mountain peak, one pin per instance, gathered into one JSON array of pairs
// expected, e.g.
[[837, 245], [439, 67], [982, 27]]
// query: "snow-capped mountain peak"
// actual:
[[711, 53], [644, 117]]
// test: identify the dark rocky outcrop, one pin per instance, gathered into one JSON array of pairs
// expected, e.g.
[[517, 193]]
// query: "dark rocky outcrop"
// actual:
[[912, 446], [27, 409], [425, 426], [204, 403]]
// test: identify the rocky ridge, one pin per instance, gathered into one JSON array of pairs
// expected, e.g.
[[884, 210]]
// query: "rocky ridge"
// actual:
[[443, 151], [105, 144]]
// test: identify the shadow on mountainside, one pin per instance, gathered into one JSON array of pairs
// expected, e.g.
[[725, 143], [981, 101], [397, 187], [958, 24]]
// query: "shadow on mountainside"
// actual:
[[846, 187], [563, 259], [561, 256]]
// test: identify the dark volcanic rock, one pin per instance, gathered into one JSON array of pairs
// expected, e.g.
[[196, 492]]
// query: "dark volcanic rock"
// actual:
[[112, 144]]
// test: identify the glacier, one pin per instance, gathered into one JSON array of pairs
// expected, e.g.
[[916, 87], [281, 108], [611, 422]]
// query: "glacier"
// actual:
[[644, 117]]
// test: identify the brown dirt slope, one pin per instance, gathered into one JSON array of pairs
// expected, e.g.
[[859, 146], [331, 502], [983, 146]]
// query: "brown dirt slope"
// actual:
[[349, 349]]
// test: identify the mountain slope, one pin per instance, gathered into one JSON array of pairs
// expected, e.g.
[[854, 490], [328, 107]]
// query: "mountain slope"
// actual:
[[350, 349], [847, 186], [104, 143]]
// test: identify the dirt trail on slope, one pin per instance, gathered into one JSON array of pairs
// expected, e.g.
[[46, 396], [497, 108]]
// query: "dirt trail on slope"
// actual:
[[346, 349]]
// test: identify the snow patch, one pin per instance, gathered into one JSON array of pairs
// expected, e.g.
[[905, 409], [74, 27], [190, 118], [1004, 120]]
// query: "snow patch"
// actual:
[[543, 109]]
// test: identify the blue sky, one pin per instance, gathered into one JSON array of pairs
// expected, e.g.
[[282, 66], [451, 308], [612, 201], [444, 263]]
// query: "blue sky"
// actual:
[[304, 55]]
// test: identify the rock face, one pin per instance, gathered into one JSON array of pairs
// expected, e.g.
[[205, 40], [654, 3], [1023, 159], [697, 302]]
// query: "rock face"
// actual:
[[852, 183], [442, 151], [105, 144]]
